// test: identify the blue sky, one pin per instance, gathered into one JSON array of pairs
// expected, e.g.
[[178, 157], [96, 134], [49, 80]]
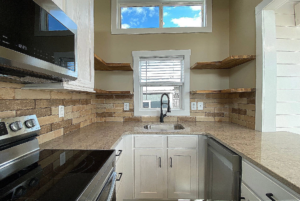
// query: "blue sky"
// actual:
[[54, 25], [148, 17]]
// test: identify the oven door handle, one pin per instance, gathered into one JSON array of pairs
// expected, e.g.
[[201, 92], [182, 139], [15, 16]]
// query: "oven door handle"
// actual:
[[112, 180], [112, 188]]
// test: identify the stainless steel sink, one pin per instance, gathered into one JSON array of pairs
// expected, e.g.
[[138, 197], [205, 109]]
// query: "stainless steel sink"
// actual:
[[164, 127]]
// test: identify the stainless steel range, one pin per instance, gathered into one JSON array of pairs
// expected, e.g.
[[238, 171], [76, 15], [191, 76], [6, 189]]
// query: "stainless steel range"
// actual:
[[29, 173]]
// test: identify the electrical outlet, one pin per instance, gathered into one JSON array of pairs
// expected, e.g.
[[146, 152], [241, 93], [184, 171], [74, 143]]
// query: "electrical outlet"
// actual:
[[61, 111], [200, 105], [126, 106], [193, 105], [62, 158]]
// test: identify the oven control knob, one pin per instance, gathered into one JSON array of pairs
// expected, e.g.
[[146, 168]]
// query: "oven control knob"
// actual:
[[30, 123], [33, 182], [19, 192], [15, 126]]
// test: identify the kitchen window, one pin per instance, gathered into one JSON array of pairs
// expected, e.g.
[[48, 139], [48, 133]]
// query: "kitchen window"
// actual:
[[161, 16], [158, 72]]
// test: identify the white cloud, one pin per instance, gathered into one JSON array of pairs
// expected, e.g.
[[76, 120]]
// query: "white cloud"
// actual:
[[134, 22], [139, 9], [152, 11], [166, 13], [195, 8], [125, 26], [124, 10], [187, 21]]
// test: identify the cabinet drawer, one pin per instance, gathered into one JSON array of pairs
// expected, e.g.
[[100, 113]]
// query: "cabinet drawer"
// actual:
[[182, 141], [261, 184], [119, 149], [148, 141], [120, 192], [119, 169], [248, 194]]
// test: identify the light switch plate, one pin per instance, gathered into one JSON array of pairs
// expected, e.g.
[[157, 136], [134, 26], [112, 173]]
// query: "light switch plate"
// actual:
[[193, 105], [200, 105], [126, 106], [61, 111], [62, 158]]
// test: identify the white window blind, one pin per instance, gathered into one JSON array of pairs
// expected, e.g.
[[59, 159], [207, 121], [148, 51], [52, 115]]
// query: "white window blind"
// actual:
[[162, 71]]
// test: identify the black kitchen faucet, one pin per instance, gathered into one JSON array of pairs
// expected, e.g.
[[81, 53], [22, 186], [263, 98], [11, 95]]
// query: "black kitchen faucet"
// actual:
[[161, 107]]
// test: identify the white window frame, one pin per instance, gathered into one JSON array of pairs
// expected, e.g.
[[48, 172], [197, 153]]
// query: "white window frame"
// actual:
[[185, 89], [116, 16]]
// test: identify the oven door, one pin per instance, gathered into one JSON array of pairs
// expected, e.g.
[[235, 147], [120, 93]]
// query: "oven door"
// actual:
[[108, 192]]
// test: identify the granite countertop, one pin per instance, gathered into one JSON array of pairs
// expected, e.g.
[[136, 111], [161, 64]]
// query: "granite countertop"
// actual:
[[276, 153]]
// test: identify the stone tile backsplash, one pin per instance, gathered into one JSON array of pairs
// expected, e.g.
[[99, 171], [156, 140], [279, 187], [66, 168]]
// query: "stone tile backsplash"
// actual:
[[79, 109], [82, 109], [238, 108]]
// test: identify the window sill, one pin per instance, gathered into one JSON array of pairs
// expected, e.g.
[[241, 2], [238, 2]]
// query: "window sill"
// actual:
[[162, 30]]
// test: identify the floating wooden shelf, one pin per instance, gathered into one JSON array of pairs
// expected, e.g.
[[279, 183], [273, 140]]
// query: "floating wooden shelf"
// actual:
[[239, 90], [227, 63], [100, 91], [103, 66]]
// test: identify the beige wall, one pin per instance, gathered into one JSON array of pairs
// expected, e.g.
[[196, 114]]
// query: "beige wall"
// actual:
[[205, 47], [242, 41], [114, 80]]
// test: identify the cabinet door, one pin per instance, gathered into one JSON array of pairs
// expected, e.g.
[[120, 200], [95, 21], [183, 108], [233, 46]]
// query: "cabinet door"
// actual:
[[149, 173], [82, 13], [248, 194], [182, 173]]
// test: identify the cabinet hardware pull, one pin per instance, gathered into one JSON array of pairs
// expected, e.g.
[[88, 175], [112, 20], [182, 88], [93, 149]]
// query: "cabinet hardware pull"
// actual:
[[159, 162], [270, 196], [119, 153], [119, 179], [170, 162], [242, 198]]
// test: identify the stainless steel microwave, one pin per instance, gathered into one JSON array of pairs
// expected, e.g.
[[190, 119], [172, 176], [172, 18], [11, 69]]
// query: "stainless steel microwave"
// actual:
[[37, 42]]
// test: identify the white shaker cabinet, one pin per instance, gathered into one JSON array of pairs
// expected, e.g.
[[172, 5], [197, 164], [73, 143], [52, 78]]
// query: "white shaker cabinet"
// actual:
[[120, 169], [264, 186], [247, 194], [165, 167], [182, 173], [82, 13], [149, 173]]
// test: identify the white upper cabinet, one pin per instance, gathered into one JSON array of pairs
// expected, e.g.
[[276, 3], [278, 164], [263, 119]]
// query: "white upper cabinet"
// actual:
[[82, 13]]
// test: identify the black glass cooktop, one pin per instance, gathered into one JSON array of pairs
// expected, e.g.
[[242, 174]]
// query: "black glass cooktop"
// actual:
[[59, 175]]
